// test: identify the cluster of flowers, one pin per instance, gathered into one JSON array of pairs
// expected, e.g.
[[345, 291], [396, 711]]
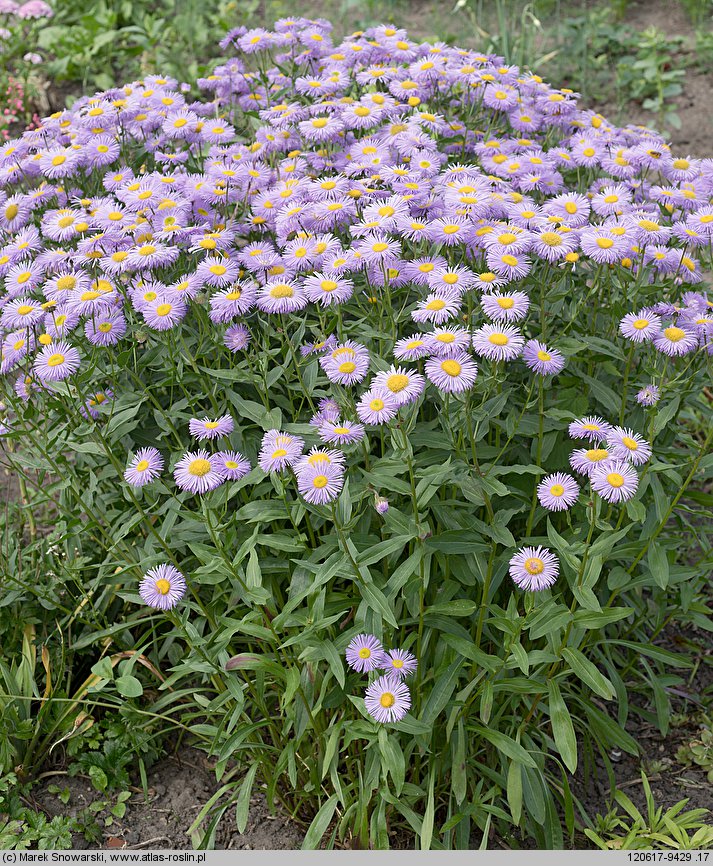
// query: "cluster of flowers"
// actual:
[[387, 698], [197, 471], [608, 464], [26, 11], [426, 184]]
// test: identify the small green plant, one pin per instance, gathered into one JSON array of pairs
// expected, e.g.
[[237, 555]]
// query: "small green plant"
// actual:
[[672, 828], [699, 751]]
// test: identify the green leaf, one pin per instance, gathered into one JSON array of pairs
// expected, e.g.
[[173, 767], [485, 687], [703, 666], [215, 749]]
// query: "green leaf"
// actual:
[[441, 692], [319, 824], [457, 607], [378, 602], [514, 791], [129, 686], [506, 745], [589, 619], [242, 806], [589, 673], [657, 561], [562, 727]]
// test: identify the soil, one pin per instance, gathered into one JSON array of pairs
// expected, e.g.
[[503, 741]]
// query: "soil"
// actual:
[[178, 788]]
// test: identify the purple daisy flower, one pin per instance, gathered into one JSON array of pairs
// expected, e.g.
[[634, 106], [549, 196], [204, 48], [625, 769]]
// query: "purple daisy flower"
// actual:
[[237, 338], [627, 445], [340, 432], [615, 482], [281, 296], [558, 492], [405, 385], [163, 313], [590, 427], [381, 504], [162, 587], [198, 472], [505, 306], [146, 465], [206, 428], [377, 406], [233, 466], [320, 482], [540, 359], [399, 663], [534, 568], [498, 343], [105, 328], [675, 341], [387, 699], [453, 373], [437, 308], [640, 326], [56, 362], [649, 395], [279, 450], [346, 369], [586, 460], [365, 653]]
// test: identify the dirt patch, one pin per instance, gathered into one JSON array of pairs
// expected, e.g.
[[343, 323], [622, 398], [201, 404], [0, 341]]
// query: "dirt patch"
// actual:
[[178, 788]]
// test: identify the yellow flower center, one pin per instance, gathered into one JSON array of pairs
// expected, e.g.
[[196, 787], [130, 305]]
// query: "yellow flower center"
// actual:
[[649, 225], [341, 431], [605, 243], [23, 277], [640, 324], [142, 466], [498, 339], [199, 467], [45, 339], [615, 479], [379, 247], [552, 239], [630, 443], [328, 285], [163, 586], [282, 291], [55, 360], [387, 700], [534, 565], [509, 260], [24, 310], [451, 229], [105, 327], [397, 663], [396, 382], [436, 304], [279, 452], [347, 367], [320, 481], [674, 334], [365, 653], [234, 295], [11, 211], [163, 309], [377, 404], [597, 454], [218, 270], [543, 356], [211, 425], [451, 367], [557, 490]]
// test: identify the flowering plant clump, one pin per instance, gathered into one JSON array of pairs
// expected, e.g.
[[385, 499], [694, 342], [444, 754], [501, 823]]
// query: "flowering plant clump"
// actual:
[[376, 343], [19, 24]]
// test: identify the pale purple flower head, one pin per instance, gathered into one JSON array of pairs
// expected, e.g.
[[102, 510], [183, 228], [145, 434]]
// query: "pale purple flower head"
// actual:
[[452, 373], [233, 466], [387, 699], [586, 460], [675, 341], [207, 428], [146, 465], [616, 481], [377, 406], [365, 653], [340, 432], [198, 472], [498, 343], [590, 427], [541, 359], [405, 385], [237, 338], [399, 663], [557, 492], [641, 326], [534, 568], [649, 395], [279, 450], [162, 587], [381, 504], [624, 444], [505, 306], [56, 362], [320, 482]]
